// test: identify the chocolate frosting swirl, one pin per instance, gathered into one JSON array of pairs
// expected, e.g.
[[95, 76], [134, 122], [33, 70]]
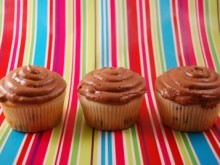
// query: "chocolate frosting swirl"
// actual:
[[112, 85], [190, 85], [31, 84]]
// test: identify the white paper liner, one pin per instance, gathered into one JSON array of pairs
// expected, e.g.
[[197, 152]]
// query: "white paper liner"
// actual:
[[110, 117], [34, 117], [190, 118]]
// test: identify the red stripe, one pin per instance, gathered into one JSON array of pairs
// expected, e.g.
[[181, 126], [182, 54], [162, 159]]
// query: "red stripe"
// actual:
[[73, 108], [119, 148], [186, 33], [23, 34], [176, 30], [23, 152], [42, 148], [171, 140], [135, 65], [113, 34], [33, 146], [213, 143], [51, 33], [204, 39], [133, 46], [7, 37], [147, 140], [150, 147], [119, 145], [2, 118], [16, 36]]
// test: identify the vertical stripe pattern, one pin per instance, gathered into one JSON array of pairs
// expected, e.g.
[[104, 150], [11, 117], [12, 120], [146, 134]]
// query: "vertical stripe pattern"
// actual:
[[75, 37]]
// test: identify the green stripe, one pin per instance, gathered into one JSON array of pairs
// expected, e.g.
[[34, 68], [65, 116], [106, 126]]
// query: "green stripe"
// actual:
[[189, 149], [128, 152], [55, 137], [159, 37], [214, 54], [125, 34], [135, 145], [4, 127], [75, 144], [76, 138], [49, 158]]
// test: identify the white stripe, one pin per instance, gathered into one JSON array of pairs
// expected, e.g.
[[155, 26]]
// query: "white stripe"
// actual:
[[210, 145], [19, 35], [193, 151], [142, 70], [28, 149], [3, 132]]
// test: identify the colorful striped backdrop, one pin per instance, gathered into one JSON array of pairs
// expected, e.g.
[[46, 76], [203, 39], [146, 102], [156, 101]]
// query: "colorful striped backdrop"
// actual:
[[73, 37]]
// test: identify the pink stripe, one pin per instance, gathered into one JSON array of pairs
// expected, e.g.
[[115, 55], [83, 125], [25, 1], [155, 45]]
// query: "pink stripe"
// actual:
[[188, 49], [113, 34], [17, 30], [144, 54], [70, 121], [203, 38], [60, 35]]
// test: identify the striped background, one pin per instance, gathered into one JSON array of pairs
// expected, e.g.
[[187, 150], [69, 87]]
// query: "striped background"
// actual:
[[75, 37]]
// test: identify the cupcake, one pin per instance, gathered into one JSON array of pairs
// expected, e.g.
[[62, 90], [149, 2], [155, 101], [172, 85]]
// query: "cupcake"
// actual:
[[111, 98], [188, 98], [32, 98]]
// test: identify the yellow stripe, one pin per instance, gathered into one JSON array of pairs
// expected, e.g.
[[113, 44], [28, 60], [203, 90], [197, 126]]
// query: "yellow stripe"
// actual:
[[29, 36], [155, 36], [129, 147], [119, 34], [91, 34], [214, 26], [55, 137], [95, 149], [86, 134], [194, 33], [98, 34]]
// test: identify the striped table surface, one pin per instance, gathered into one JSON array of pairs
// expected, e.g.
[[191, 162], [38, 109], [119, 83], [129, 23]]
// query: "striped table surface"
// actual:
[[73, 37]]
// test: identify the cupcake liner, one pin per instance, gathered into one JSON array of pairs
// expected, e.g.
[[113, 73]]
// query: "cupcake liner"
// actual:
[[189, 118], [34, 117], [110, 117]]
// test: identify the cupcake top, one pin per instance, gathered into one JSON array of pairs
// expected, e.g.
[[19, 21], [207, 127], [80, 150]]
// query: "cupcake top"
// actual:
[[189, 85], [31, 84], [112, 85]]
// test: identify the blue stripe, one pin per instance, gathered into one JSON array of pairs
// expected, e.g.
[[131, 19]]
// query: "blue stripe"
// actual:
[[198, 141], [40, 50], [103, 148], [202, 149], [167, 34], [11, 147], [110, 148], [103, 144]]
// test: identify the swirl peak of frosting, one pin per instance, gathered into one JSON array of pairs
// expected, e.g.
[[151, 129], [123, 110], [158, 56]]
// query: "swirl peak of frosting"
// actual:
[[190, 85], [112, 85], [31, 84]]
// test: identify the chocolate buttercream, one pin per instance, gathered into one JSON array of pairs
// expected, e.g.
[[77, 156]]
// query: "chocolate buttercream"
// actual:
[[31, 84], [112, 85], [189, 85]]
